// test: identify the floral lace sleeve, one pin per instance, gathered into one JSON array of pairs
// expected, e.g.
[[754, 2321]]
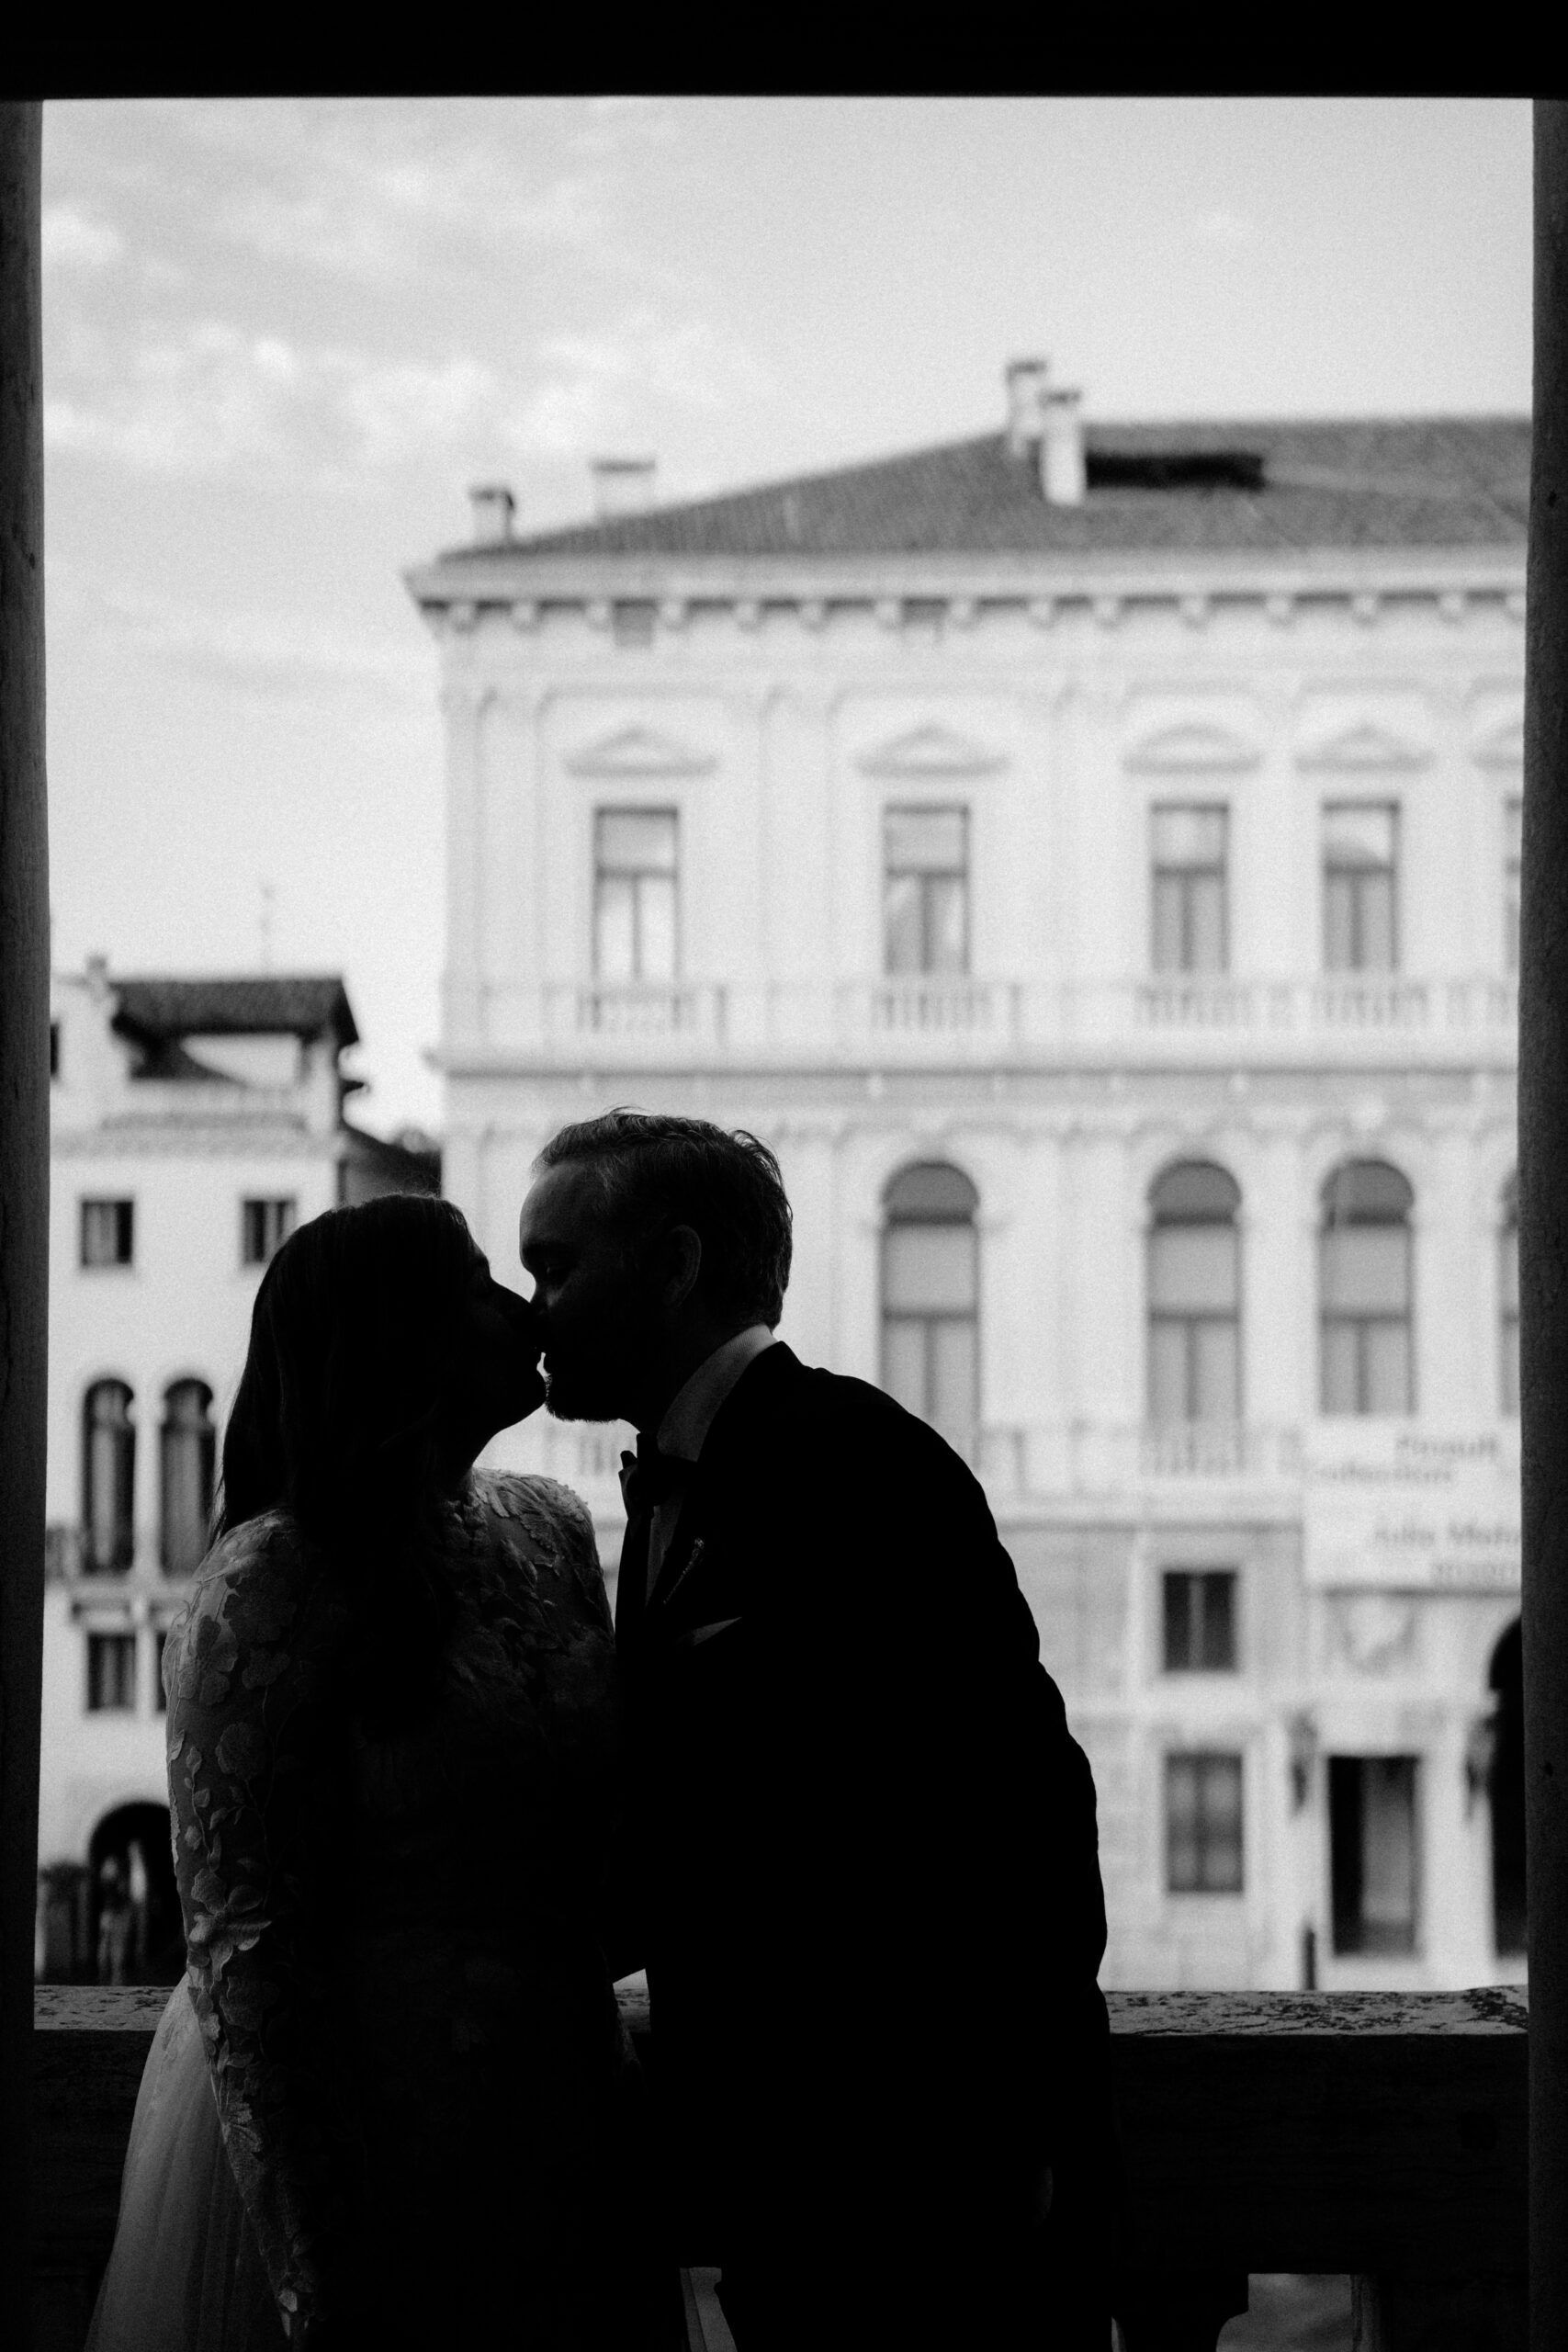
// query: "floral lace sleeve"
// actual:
[[254, 1784]]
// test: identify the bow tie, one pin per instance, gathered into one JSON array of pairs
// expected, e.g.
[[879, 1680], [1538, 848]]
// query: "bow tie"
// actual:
[[648, 1477]]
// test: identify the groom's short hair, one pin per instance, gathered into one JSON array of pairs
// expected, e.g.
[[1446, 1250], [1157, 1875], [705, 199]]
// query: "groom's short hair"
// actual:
[[655, 1170]]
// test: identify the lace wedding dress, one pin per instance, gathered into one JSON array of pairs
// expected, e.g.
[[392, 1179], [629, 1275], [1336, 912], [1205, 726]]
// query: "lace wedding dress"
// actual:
[[394, 2088]]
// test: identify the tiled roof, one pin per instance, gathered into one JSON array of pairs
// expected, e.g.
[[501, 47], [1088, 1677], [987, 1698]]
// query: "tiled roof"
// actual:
[[1248, 486], [263, 1004]]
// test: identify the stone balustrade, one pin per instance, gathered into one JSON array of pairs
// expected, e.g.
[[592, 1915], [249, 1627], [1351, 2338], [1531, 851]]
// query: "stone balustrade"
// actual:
[[1377, 2135], [974, 1018]]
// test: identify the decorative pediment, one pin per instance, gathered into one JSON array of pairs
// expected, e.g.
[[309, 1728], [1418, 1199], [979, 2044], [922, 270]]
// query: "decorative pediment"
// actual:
[[1192, 748], [1504, 748], [1364, 747], [639, 751], [931, 751]]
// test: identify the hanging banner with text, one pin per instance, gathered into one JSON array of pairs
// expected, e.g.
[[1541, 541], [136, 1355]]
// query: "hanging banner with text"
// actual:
[[1432, 1511]]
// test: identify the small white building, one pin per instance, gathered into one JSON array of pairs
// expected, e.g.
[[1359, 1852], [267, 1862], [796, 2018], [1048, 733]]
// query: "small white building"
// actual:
[[1089, 857], [193, 1123]]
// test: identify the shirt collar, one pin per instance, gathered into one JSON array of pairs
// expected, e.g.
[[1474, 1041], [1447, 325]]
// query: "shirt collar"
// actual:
[[693, 1407]]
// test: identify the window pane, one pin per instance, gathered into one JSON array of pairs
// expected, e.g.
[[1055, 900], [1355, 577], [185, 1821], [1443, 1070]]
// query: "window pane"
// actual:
[[904, 1362], [634, 840], [1388, 1851], [1366, 1268], [1192, 1268], [1183, 1875], [1386, 1375], [1508, 1381], [655, 927], [903, 934], [925, 841], [1375, 946], [1355, 834], [1188, 836], [947, 924], [1338, 922], [1169, 1399], [1340, 1360], [1178, 1644], [1220, 1806], [954, 1369], [1205, 923], [928, 1267], [1513, 831], [1217, 1641], [1216, 1385], [1169, 923], [614, 954]]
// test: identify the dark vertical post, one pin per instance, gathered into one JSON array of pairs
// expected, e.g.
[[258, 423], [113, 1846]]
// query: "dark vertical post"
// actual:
[[23, 1165], [1543, 1243]]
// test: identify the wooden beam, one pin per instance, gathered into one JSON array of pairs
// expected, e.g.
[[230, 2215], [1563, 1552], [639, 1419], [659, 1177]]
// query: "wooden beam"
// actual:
[[1543, 1241], [23, 1165]]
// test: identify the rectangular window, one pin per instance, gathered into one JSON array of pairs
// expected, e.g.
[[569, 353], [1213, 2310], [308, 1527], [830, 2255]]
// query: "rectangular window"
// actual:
[[160, 1697], [1367, 1365], [925, 892], [1359, 886], [1513, 834], [54, 1049], [1372, 1852], [111, 1673], [263, 1226], [635, 884], [1194, 1331], [1202, 1824], [1191, 913], [1199, 1621], [107, 1233]]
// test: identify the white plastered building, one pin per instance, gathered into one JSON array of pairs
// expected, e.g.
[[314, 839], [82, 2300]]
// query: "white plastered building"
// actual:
[[193, 1123], [1087, 854]]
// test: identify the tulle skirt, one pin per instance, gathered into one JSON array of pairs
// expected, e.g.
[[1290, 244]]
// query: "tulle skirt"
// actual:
[[186, 2274]]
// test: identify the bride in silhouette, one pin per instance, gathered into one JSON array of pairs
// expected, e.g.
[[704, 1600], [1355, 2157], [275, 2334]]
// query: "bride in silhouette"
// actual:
[[392, 2102]]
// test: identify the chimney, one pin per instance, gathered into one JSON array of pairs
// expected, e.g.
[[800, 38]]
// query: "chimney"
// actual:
[[622, 486], [1025, 391], [494, 507], [1062, 474]]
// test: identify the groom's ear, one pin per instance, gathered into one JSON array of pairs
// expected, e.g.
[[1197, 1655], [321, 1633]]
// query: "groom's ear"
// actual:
[[682, 1263]]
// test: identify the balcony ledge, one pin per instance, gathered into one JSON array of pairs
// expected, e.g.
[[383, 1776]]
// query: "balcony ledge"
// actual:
[[1378, 2134]]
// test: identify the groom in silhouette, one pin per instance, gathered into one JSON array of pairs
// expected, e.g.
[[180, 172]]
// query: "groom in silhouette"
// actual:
[[861, 1868]]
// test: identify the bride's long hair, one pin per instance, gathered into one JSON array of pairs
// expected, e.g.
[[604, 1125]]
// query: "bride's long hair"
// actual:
[[338, 1421]]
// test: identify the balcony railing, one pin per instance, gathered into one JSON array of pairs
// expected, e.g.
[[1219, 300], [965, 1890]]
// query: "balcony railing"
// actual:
[[1086, 1458], [979, 1018], [1377, 2135], [690, 1012]]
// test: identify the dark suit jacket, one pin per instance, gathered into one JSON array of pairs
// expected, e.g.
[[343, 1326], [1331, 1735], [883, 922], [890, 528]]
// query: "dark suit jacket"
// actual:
[[863, 1874]]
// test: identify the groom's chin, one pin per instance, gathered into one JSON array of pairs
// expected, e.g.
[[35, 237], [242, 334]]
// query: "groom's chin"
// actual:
[[564, 1402]]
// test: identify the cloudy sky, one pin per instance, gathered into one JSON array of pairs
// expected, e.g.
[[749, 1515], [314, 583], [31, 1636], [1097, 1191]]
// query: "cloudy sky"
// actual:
[[281, 338]]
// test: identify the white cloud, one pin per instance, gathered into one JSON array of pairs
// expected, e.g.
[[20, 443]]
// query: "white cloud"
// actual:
[[214, 400], [604, 383], [71, 239]]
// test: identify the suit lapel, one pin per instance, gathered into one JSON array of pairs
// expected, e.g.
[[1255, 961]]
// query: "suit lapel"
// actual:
[[704, 1576]]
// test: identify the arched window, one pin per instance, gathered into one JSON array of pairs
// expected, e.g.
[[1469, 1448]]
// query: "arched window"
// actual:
[[1365, 1291], [1194, 1296], [930, 1299], [186, 1447], [1509, 1298], [109, 1476]]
